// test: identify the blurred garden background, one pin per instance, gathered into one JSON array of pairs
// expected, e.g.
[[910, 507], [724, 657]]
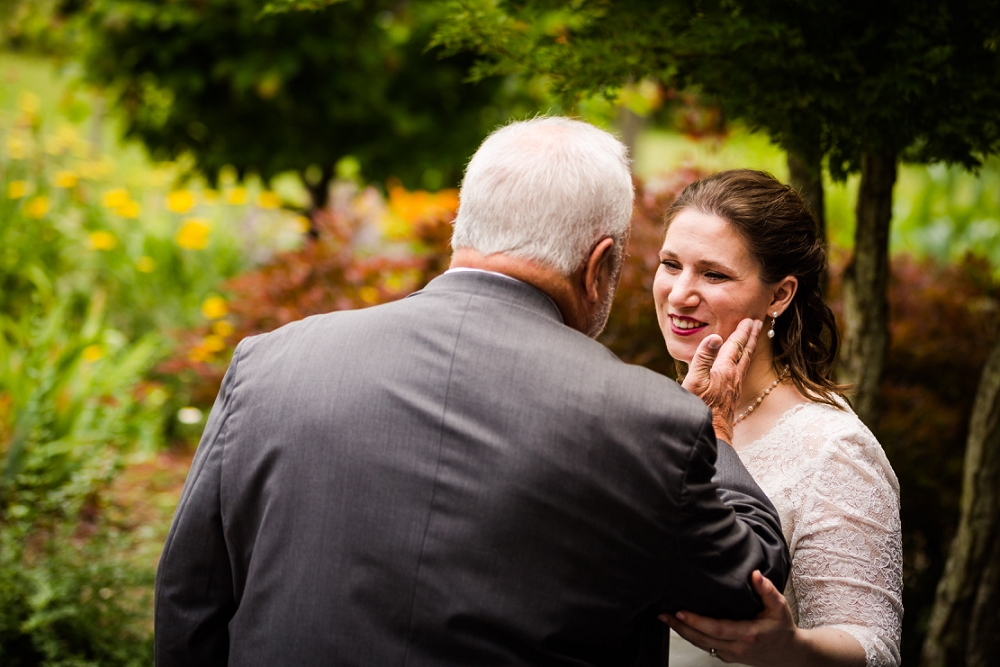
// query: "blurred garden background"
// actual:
[[176, 175]]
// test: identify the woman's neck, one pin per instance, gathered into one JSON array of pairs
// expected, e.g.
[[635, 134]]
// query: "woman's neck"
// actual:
[[760, 375]]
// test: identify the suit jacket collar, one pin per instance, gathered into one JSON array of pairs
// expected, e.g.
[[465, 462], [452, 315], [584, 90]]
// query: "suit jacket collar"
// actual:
[[485, 284]]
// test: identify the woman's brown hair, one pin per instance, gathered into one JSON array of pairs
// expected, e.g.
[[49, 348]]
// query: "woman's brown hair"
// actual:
[[782, 236]]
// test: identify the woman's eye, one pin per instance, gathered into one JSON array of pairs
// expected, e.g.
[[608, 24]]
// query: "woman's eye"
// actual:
[[715, 276], [670, 264]]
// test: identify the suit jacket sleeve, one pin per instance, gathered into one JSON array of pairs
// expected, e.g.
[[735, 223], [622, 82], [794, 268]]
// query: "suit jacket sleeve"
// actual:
[[728, 529], [194, 586]]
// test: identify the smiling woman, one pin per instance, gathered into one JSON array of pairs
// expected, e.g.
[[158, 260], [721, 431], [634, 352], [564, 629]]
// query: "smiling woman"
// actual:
[[708, 283], [740, 245]]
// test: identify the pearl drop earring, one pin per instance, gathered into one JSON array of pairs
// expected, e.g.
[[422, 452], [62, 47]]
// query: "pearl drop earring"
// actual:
[[774, 318]]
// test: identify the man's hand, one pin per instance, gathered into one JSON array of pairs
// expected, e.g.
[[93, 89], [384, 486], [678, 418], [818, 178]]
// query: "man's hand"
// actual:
[[715, 374]]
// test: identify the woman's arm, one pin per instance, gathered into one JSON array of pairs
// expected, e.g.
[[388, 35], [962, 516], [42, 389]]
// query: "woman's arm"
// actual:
[[846, 568], [771, 639]]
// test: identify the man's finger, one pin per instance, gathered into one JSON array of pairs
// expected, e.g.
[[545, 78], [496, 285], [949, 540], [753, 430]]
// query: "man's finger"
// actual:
[[749, 345], [735, 349], [701, 363]]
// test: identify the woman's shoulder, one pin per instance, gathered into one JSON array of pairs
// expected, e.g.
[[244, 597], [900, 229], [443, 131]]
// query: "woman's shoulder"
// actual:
[[837, 435]]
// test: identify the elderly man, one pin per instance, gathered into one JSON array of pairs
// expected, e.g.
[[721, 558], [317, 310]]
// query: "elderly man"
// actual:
[[465, 477]]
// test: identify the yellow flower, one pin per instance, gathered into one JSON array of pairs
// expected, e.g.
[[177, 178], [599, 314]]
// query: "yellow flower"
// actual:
[[54, 145], [145, 264], [268, 199], [193, 234], [408, 209], [180, 201], [17, 189], [236, 196], [199, 354], [37, 207], [96, 170], [369, 295], [102, 240], [28, 102], [115, 198], [223, 328], [17, 148], [213, 343], [68, 134], [92, 353], [129, 209], [214, 308], [302, 223], [66, 179]]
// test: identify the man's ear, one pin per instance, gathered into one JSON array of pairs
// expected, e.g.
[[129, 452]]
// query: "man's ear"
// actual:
[[598, 269], [784, 291]]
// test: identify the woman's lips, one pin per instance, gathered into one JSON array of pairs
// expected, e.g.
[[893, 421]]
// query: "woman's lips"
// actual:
[[685, 326]]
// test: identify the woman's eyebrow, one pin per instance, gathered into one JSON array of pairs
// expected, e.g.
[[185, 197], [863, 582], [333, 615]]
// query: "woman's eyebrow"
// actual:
[[712, 264], [704, 263]]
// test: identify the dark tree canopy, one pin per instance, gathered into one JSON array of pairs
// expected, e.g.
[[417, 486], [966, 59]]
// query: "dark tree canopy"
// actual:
[[822, 78], [268, 93]]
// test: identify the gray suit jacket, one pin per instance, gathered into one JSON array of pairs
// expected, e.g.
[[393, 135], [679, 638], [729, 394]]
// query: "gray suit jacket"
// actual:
[[457, 478]]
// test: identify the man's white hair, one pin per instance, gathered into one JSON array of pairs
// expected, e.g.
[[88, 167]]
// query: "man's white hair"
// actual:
[[545, 190]]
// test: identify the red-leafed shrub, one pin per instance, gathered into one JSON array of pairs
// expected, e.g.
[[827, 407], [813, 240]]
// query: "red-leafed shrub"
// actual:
[[943, 320], [633, 332], [367, 251]]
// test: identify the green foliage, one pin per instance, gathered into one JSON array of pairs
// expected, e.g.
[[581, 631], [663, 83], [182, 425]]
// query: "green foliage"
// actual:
[[36, 26], [947, 214], [832, 78], [72, 602], [292, 90], [69, 413], [280, 6], [93, 276]]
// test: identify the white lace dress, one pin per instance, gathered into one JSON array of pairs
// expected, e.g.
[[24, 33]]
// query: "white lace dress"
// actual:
[[838, 499]]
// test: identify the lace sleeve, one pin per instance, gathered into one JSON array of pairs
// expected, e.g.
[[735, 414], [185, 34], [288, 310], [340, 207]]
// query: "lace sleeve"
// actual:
[[847, 567]]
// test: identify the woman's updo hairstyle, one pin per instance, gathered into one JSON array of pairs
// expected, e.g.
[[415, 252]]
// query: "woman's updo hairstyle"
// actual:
[[782, 236]]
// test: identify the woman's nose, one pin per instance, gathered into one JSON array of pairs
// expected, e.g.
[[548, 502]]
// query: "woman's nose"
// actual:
[[683, 293]]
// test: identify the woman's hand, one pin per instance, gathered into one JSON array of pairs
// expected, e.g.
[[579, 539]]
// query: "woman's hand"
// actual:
[[769, 639]]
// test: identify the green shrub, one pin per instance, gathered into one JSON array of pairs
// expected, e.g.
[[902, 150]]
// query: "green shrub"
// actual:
[[70, 412]]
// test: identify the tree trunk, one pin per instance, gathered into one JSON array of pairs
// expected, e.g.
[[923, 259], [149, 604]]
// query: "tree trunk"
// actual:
[[866, 281], [630, 124], [319, 192], [319, 197], [964, 629], [806, 176]]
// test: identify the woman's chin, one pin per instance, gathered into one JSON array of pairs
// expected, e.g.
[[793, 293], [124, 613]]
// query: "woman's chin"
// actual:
[[682, 351]]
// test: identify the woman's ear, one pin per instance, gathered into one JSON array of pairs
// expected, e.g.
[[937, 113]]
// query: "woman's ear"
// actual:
[[782, 296]]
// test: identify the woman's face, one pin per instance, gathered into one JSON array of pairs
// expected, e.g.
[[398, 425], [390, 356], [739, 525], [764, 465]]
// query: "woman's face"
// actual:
[[707, 283]]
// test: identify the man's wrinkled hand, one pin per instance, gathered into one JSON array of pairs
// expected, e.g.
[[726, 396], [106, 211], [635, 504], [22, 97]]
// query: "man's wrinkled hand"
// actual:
[[716, 372]]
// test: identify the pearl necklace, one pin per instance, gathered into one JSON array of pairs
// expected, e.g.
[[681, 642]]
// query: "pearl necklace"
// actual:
[[761, 397]]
